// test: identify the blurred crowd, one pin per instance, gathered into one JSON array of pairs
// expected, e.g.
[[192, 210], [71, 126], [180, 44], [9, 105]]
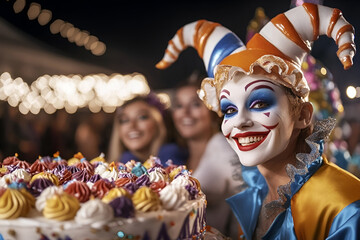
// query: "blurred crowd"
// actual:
[[31, 136]]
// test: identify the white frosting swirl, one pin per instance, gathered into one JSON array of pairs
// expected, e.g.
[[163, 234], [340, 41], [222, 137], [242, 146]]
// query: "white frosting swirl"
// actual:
[[156, 176], [3, 182], [182, 180], [21, 173], [102, 167], [46, 194], [94, 212], [110, 174], [173, 196], [14, 176]]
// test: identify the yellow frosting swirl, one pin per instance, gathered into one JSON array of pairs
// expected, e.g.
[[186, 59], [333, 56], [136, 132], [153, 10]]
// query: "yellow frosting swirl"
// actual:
[[3, 170], [30, 198], [150, 162], [61, 207], [115, 193], [13, 204], [100, 158], [47, 175], [144, 200], [73, 161], [176, 171]]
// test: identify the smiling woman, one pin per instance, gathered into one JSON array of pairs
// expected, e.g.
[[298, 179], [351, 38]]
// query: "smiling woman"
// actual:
[[263, 94], [142, 129]]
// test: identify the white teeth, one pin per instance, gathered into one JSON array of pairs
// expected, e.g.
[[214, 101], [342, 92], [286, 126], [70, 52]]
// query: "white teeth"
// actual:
[[250, 140], [187, 121], [134, 134]]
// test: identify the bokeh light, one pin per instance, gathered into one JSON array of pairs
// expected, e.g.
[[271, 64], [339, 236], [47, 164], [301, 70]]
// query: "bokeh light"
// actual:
[[44, 17], [34, 11], [351, 92], [19, 5], [50, 93]]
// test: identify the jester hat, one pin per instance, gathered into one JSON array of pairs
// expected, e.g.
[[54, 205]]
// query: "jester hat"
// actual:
[[276, 52]]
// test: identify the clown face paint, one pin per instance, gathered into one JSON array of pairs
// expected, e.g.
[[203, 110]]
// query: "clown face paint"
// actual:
[[257, 122]]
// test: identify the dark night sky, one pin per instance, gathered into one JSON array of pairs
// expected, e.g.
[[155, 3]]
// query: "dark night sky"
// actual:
[[136, 33]]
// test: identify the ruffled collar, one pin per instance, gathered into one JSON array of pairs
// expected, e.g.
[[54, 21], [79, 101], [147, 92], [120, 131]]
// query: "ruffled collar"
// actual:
[[306, 165]]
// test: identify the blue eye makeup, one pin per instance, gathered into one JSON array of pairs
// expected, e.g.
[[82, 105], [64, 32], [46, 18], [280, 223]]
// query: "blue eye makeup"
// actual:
[[228, 108], [261, 99]]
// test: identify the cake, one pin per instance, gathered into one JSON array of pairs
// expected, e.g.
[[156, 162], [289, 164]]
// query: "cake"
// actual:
[[54, 198]]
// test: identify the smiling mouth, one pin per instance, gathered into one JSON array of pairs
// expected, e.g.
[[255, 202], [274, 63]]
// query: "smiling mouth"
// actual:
[[250, 140], [133, 135], [187, 122]]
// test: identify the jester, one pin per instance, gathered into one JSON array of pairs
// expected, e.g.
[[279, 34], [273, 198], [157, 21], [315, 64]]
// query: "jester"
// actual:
[[259, 89]]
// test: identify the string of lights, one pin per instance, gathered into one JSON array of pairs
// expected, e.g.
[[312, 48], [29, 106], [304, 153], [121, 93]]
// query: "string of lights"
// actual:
[[50, 93], [67, 30]]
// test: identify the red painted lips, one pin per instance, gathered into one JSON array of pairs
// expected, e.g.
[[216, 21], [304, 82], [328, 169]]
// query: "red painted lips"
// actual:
[[250, 134]]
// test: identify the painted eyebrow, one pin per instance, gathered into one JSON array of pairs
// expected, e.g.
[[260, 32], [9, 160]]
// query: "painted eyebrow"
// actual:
[[224, 91], [248, 85], [263, 86]]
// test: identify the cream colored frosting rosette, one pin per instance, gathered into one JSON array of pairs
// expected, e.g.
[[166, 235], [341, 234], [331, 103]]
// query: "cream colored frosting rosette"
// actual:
[[158, 174], [185, 179], [46, 194], [110, 173], [173, 196], [95, 213], [61, 207], [101, 168], [4, 180], [16, 175], [20, 173]]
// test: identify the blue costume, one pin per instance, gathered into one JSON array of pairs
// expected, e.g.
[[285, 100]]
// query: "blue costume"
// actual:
[[166, 152], [322, 201]]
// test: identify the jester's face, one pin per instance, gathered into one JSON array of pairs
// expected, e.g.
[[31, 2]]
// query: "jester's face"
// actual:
[[257, 122]]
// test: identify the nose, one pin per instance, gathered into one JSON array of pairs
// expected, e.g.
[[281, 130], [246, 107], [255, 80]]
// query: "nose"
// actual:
[[243, 120], [183, 110], [187, 109], [132, 123]]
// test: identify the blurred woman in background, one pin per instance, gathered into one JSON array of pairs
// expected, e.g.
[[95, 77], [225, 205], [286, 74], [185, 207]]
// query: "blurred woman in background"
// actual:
[[211, 159], [141, 129]]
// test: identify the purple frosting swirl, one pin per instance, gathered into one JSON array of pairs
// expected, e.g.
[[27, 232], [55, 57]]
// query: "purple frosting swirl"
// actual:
[[82, 175], [12, 168], [123, 207], [144, 180], [73, 169], [94, 178], [59, 169], [126, 175], [47, 159], [131, 187], [38, 185], [193, 192]]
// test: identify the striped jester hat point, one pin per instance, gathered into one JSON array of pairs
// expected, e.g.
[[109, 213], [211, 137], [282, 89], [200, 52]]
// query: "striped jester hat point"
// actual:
[[276, 52]]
